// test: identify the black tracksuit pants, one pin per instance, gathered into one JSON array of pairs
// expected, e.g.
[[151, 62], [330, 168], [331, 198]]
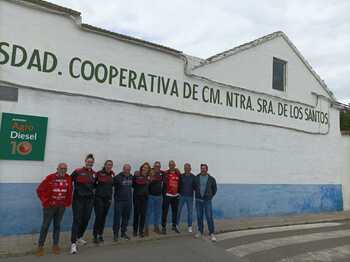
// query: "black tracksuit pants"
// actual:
[[101, 208], [174, 203], [49, 214], [122, 210], [82, 208], [140, 211]]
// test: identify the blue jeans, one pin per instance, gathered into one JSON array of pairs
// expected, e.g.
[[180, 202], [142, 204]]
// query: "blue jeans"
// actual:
[[189, 203], [205, 207], [153, 210]]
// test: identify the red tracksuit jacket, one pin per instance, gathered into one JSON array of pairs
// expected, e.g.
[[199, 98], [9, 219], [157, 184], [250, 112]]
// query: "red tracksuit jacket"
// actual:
[[55, 191], [171, 181]]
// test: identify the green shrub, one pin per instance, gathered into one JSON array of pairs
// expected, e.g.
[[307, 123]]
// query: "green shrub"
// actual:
[[345, 121]]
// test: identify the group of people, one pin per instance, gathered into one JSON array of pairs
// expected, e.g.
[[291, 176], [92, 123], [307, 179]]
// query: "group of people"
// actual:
[[150, 192]]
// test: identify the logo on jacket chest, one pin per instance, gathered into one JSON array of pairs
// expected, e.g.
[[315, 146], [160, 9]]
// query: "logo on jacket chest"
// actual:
[[127, 182], [85, 178], [60, 183]]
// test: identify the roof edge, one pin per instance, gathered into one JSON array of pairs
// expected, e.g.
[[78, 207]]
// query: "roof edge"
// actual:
[[77, 15], [123, 37], [51, 6], [243, 47], [259, 41]]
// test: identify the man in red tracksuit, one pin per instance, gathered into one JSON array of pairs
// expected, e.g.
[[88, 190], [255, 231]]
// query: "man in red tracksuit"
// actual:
[[55, 194], [170, 195]]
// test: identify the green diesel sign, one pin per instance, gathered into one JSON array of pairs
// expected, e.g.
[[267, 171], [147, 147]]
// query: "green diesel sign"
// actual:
[[22, 137]]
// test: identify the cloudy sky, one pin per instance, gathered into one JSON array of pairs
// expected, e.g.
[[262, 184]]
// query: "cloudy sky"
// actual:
[[319, 28]]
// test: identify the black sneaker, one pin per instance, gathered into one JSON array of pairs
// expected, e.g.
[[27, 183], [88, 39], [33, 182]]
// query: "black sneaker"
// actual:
[[100, 238], [176, 230], [96, 240], [164, 230], [134, 234], [142, 235], [125, 237]]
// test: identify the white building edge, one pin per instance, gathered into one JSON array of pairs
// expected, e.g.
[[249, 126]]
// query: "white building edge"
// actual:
[[147, 102]]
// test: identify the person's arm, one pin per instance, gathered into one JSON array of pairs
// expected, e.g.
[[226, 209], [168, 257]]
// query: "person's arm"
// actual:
[[116, 184], [165, 182], [42, 191], [96, 179], [74, 176], [194, 185], [214, 186], [134, 180], [69, 193], [115, 181], [180, 183]]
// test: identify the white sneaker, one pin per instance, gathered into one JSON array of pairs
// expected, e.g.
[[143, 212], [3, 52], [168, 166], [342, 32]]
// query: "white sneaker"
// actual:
[[73, 249], [213, 238], [81, 242], [190, 229], [198, 235]]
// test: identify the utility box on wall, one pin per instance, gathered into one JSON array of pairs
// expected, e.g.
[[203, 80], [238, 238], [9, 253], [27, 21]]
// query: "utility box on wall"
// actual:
[[22, 137]]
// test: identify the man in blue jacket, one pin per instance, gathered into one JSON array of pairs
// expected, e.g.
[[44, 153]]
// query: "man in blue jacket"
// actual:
[[186, 195], [122, 202], [205, 189]]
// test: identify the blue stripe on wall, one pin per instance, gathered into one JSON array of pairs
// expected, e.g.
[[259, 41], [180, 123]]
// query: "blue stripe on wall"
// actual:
[[20, 209]]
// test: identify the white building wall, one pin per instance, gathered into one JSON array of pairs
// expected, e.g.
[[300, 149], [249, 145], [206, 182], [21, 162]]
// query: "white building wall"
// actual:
[[261, 169], [236, 152]]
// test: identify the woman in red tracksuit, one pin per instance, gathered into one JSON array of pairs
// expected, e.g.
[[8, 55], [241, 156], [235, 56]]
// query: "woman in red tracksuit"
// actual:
[[103, 199], [55, 194], [83, 201]]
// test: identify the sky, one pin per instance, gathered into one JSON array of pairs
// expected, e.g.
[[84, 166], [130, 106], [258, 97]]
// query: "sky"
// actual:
[[320, 29]]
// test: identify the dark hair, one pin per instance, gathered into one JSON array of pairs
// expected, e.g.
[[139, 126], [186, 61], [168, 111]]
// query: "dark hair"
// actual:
[[89, 156], [157, 163], [107, 161], [205, 165]]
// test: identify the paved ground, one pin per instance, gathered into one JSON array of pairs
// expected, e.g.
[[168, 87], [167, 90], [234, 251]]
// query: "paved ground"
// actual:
[[321, 242], [299, 243], [25, 244], [328, 241], [184, 248]]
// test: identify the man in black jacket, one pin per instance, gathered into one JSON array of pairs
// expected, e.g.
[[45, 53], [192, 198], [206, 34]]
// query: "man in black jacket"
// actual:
[[205, 189], [122, 202]]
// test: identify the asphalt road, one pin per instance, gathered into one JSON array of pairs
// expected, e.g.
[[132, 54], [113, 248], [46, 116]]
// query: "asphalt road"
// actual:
[[312, 242], [166, 250]]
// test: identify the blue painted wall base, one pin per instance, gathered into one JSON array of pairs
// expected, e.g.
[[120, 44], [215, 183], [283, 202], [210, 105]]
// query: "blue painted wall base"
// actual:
[[21, 213]]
